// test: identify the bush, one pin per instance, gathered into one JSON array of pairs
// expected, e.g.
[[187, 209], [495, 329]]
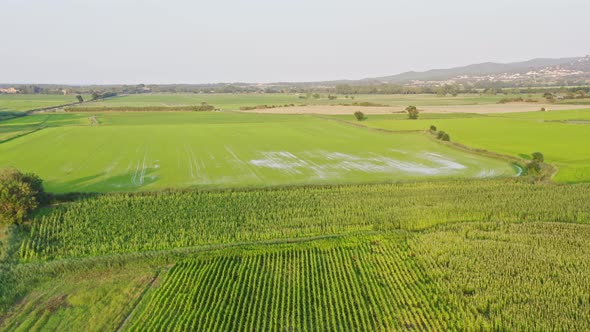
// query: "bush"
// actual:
[[433, 128], [20, 193], [534, 167], [204, 107], [543, 109], [360, 116], [443, 136], [412, 112], [538, 157]]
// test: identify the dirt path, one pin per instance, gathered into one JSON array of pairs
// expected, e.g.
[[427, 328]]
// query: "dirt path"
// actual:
[[481, 109]]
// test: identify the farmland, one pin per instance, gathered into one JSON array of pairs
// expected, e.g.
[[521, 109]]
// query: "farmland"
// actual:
[[311, 257], [129, 152], [222, 221], [233, 102], [21, 103], [560, 135], [119, 223]]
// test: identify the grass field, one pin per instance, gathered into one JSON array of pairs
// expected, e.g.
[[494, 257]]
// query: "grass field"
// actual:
[[128, 152], [561, 136], [235, 101], [21, 103]]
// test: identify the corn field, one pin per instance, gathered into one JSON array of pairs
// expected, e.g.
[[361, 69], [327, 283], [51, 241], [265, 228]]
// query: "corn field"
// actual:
[[512, 277], [371, 285], [121, 223]]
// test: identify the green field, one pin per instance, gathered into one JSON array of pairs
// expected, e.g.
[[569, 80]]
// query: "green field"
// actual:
[[562, 136], [233, 102], [120, 223], [148, 151], [231, 221], [21, 103], [426, 256]]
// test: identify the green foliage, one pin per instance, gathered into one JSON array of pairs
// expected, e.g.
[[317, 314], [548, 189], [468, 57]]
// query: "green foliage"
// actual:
[[360, 116], [534, 167], [432, 128], [412, 112], [204, 107], [19, 195], [443, 136], [364, 285], [121, 223], [502, 273], [538, 157]]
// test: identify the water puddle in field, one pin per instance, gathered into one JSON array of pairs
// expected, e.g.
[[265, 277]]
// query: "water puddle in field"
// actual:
[[325, 164]]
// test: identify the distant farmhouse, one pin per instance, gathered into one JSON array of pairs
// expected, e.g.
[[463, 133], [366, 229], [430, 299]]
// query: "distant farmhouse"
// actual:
[[8, 90]]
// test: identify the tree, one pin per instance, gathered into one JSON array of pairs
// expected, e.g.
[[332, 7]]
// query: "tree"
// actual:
[[360, 116], [80, 99], [433, 128], [20, 193], [95, 96], [443, 136], [534, 167], [412, 112], [538, 157]]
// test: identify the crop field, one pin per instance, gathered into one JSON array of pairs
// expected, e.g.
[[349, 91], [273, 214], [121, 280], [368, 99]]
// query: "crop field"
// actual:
[[129, 152], [244, 221], [119, 223], [21, 103], [426, 256], [371, 282], [233, 102], [561, 136]]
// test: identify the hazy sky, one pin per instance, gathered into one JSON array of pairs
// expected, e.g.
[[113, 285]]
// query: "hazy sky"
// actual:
[[182, 41]]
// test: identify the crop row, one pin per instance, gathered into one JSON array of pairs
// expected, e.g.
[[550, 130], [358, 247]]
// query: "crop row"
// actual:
[[371, 285], [119, 223], [512, 277]]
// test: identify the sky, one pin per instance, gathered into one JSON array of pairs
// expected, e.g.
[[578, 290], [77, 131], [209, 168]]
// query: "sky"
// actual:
[[197, 41]]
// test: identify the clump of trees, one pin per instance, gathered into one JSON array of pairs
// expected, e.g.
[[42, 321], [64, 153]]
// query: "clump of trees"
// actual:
[[204, 107], [536, 164], [96, 96], [443, 136], [20, 193], [412, 112], [360, 116]]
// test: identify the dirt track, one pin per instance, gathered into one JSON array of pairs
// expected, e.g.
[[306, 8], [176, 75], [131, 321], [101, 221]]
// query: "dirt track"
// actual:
[[490, 109]]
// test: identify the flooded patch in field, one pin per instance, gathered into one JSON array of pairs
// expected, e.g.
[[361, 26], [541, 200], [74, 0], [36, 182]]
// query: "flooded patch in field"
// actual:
[[331, 163]]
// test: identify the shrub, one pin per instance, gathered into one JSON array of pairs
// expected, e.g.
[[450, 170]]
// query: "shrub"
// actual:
[[360, 116], [432, 128], [412, 112], [20, 193], [443, 136], [538, 157], [204, 107], [534, 167]]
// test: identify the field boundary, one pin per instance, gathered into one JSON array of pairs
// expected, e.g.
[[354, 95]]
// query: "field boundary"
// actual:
[[139, 299], [548, 175], [359, 125]]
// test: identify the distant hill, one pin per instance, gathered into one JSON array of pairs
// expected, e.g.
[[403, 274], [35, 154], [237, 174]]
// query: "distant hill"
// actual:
[[487, 68]]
